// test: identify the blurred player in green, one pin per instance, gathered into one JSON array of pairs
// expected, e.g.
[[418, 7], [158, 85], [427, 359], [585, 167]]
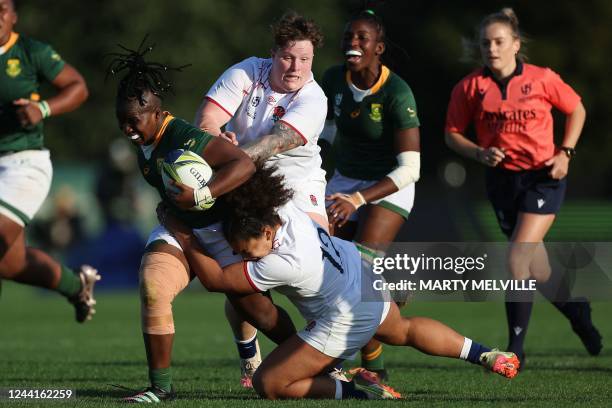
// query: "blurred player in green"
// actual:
[[373, 128], [25, 165]]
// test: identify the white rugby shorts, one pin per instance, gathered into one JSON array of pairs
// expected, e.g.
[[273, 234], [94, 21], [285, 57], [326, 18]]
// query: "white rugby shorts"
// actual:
[[343, 334], [25, 180], [211, 238], [400, 202]]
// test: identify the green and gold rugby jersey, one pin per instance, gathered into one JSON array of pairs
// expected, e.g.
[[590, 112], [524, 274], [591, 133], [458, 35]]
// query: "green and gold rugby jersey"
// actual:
[[174, 134], [364, 143], [24, 63]]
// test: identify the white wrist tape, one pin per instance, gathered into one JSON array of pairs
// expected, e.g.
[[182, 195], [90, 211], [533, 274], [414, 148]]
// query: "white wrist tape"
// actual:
[[408, 169], [203, 198], [357, 200], [329, 131], [44, 108]]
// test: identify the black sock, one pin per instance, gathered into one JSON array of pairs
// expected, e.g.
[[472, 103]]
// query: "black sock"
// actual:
[[557, 291], [518, 314]]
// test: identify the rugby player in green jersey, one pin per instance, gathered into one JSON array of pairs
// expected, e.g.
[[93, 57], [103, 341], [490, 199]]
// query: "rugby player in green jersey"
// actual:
[[164, 271], [25, 165], [373, 129]]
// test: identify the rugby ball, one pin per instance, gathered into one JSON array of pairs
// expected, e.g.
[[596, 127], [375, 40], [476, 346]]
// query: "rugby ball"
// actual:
[[187, 167]]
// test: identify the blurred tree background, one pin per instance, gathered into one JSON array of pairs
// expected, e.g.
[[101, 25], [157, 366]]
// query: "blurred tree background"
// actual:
[[573, 38]]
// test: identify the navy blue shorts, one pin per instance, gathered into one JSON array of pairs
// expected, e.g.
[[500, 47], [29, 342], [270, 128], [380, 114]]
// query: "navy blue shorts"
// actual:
[[531, 191]]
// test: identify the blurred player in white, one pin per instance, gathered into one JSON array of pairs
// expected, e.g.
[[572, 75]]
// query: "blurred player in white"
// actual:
[[274, 110], [322, 276]]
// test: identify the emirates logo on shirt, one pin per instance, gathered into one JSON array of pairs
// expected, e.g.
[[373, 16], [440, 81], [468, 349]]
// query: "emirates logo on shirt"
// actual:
[[277, 113], [511, 121], [313, 200]]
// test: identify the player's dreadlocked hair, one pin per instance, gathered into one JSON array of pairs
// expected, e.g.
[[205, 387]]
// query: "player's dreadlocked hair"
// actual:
[[142, 76], [254, 205]]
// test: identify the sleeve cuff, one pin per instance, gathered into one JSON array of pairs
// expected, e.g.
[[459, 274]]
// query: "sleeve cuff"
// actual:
[[219, 105], [245, 268]]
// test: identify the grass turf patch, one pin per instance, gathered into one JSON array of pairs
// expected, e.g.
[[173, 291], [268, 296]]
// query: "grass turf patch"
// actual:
[[43, 347]]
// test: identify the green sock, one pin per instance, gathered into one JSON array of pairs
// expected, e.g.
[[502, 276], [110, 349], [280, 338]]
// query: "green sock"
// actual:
[[373, 360], [69, 284], [161, 378]]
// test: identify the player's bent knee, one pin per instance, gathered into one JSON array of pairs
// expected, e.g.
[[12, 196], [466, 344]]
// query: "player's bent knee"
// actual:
[[162, 277], [266, 385], [258, 384], [11, 268]]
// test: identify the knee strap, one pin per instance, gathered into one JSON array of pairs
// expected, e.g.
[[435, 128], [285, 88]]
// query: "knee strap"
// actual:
[[162, 277]]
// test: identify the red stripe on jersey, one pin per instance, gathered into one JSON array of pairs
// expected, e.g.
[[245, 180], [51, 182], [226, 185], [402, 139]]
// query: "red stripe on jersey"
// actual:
[[298, 132], [219, 105], [246, 273]]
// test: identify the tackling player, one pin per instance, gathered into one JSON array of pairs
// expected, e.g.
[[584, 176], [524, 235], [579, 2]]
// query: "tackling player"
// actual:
[[274, 110], [284, 249], [373, 130], [509, 102], [25, 164]]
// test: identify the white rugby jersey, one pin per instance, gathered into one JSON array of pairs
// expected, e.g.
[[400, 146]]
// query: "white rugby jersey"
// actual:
[[244, 92], [321, 275]]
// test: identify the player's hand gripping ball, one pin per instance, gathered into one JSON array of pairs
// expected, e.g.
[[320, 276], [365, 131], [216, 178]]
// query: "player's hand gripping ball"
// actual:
[[188, 168]]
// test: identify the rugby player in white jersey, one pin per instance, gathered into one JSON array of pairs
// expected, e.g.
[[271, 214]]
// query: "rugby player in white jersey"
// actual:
[[322, 276], [274, 110]]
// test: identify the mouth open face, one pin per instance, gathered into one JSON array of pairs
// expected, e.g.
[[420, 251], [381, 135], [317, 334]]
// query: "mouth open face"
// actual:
[[353, 56], [291, 78], [136, 138]]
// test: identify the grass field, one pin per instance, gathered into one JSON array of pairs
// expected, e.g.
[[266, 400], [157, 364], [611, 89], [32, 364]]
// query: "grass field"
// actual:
[[42, 347]]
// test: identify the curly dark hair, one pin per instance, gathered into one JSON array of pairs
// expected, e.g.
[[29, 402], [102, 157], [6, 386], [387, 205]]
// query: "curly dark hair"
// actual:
[[293, 27], [253, 205], [142, 76]]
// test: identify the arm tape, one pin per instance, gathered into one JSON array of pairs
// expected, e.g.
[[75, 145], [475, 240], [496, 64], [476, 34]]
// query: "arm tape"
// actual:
[[408, 169], [329, 131]]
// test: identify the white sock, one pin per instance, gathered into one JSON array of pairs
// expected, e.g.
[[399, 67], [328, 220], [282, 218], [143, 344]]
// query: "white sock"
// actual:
[[465, 350], [247, 340]]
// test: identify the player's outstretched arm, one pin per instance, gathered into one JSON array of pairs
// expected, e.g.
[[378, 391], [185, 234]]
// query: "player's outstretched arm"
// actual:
[[282, 138]]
